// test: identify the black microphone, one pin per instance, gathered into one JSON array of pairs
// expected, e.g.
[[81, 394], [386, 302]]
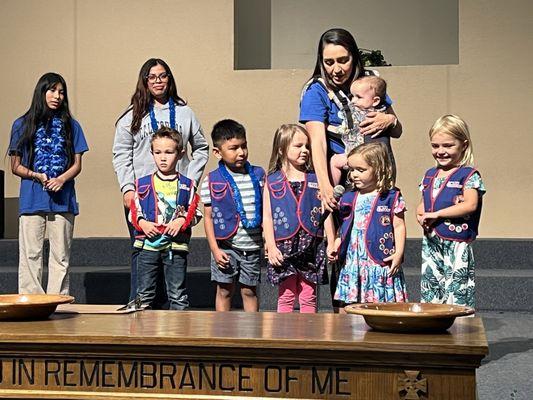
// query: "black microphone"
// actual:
[[338, 191]]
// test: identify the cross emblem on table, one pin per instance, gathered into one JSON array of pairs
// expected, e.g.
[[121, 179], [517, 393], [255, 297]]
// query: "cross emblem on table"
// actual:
[[409, 385]]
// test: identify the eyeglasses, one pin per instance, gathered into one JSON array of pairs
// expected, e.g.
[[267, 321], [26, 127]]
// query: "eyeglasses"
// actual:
[[152, 78]]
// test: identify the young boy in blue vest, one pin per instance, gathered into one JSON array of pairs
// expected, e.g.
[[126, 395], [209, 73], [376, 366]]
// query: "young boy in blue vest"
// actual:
[[232, 196], [162, 212]]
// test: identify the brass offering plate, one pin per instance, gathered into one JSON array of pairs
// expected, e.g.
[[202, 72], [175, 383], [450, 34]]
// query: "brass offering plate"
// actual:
[[30, 306], [409, 317]]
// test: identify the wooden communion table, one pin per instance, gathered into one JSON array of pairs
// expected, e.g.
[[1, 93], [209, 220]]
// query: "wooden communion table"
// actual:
[[207, 355]]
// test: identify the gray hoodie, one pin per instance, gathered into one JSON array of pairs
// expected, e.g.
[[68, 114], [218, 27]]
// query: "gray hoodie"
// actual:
[[131, 153]]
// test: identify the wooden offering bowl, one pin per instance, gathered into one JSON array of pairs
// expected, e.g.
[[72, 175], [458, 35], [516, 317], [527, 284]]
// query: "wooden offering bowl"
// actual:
[[30, 306], [409, 317]]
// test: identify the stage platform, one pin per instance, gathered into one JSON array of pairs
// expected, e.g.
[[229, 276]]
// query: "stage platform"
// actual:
[[208, 355], [100, 274]]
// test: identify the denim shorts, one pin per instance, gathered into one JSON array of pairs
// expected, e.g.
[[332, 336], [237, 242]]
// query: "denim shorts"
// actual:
[[244, 267]]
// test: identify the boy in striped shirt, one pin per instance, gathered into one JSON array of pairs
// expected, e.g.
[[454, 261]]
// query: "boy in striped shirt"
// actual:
[[232, 197]]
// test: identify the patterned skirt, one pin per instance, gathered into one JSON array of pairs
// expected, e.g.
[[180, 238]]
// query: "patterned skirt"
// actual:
[[447, 272]]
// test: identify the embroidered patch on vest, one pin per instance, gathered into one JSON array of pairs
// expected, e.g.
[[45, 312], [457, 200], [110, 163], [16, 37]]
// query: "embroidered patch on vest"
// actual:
[[313, 185], [315, 214], [382, 209], [384, 220], [279, 218], [217, 218], [458, 199], [454, 184]]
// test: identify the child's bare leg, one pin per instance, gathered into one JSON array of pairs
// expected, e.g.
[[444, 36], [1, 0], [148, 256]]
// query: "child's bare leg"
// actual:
[[224, 295], [337, 164], [249, 298]]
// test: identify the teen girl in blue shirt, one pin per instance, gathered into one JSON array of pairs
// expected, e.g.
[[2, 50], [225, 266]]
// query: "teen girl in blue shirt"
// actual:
[[46, 148]]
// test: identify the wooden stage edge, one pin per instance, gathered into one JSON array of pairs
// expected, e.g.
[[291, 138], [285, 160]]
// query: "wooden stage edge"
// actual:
[[210, 355]]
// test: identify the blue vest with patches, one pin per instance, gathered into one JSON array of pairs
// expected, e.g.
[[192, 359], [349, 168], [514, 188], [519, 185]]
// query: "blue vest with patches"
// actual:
[[224, 211], [148, 201], [290, 213], [463, 229], [379, 235]]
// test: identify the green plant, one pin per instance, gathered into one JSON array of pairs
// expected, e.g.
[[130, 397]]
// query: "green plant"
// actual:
[[373, 58]]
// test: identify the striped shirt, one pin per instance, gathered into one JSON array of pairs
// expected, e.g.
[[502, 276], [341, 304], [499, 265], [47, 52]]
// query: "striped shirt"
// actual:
[[244, 239]]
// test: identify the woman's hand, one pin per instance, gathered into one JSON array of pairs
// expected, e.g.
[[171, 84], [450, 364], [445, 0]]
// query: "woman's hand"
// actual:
[[329, 202], [54, 184], [376, 122]]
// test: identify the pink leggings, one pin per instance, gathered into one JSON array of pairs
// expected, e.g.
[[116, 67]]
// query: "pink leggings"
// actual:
[[297, 285]]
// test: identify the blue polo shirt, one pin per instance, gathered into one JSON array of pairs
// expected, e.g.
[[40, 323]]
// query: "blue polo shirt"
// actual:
[[32, 197], [317, 106]]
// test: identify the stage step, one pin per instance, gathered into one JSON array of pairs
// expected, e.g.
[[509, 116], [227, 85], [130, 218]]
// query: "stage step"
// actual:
[[100, 274]]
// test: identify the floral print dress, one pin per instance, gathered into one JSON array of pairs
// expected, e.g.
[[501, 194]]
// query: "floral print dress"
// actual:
[[448, 265], [361, 280]]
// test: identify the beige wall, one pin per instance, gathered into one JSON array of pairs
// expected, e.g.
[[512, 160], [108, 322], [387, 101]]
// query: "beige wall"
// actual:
[[100, 45], [408, 32]]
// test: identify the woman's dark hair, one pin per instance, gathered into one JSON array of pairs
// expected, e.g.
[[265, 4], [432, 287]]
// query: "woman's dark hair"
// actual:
[[39, 113], [141, 99], [341, 37]]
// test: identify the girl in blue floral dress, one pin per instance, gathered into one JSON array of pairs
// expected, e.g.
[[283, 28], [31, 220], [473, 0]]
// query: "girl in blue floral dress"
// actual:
[[372, 233], [46, 147], [449, 213]]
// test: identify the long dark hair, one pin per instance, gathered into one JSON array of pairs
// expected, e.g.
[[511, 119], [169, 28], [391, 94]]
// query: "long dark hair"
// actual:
[[39, 113], [342, 37], [141, 99]]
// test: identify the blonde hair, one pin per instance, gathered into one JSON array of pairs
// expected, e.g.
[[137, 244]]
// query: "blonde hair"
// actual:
[[457, 128], [377, 156], [280, 144]]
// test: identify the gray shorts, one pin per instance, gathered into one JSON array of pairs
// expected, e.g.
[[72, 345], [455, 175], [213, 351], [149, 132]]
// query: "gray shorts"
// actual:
[[244, 267]]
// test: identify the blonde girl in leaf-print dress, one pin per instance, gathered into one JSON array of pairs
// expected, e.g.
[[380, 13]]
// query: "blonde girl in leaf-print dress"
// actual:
[[449, 212]]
